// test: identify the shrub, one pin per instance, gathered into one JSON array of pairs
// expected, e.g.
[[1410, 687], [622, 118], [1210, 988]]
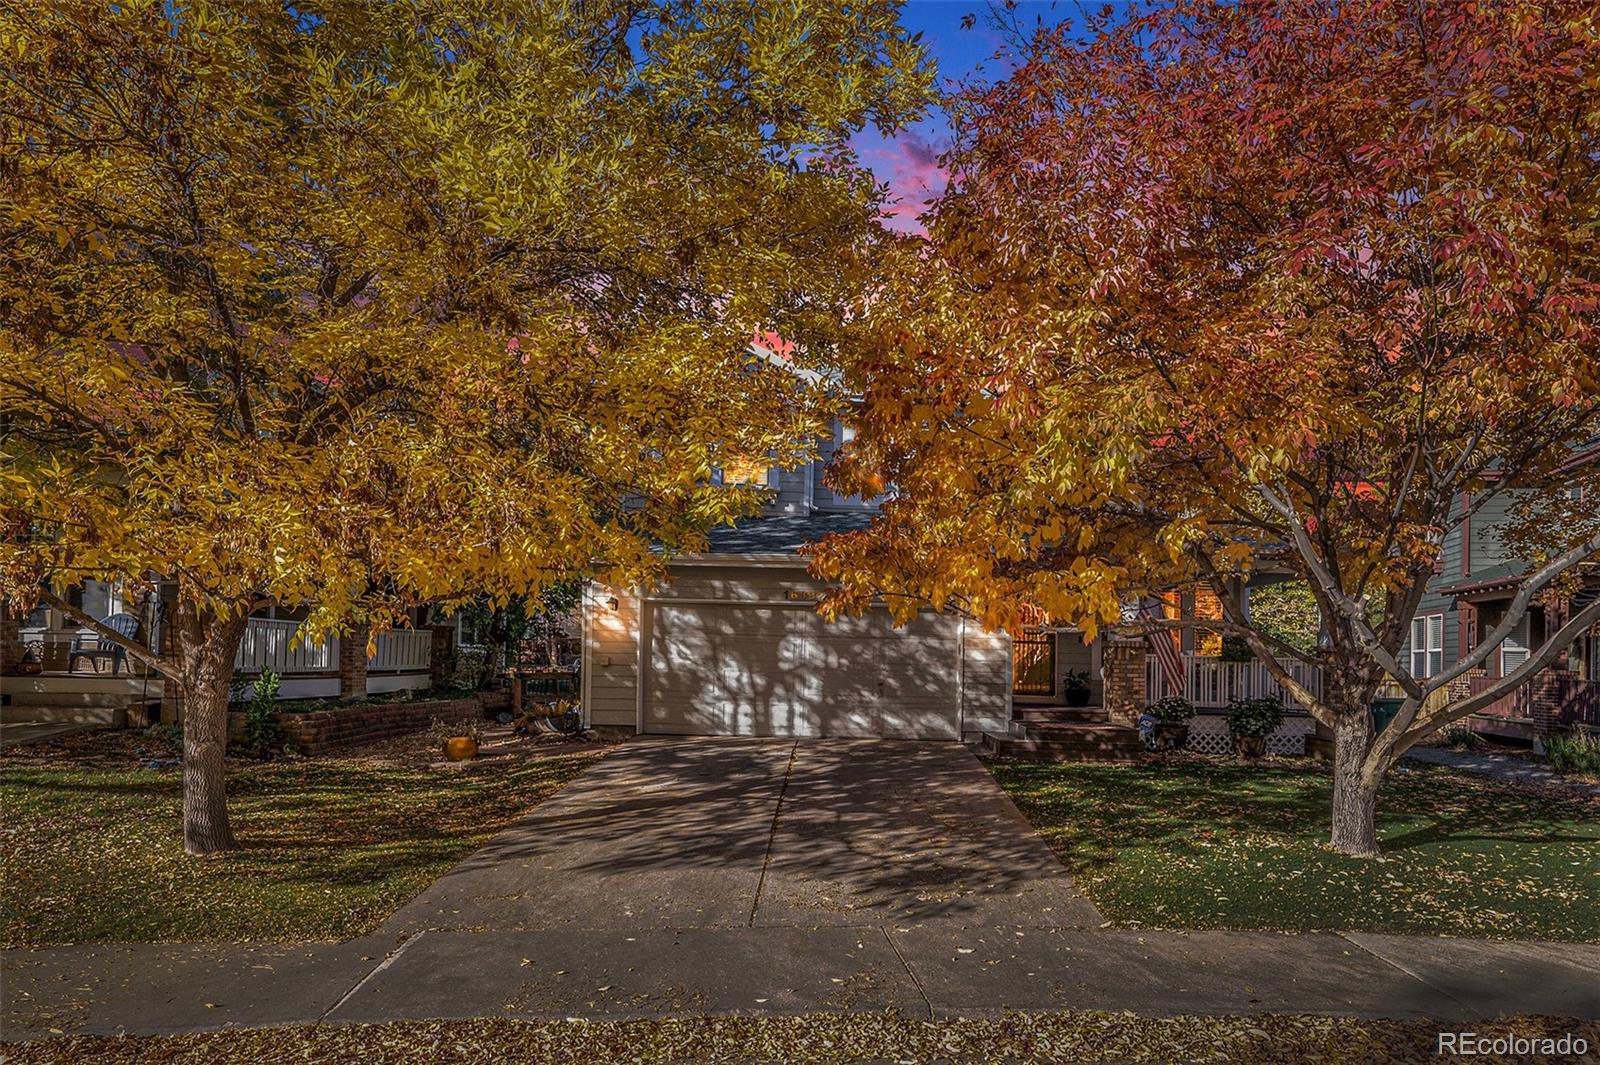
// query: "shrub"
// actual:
[[1577, 753], [1254, 717], [1174, 709], [166, 733], [1460, 737], [262, 732], [1235, 649]]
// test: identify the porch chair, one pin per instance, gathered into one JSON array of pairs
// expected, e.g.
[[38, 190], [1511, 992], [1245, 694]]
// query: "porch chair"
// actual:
[[125, 625]]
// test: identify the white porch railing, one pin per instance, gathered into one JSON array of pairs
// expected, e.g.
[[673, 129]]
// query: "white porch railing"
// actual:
[[401, 651], [1212, 683], [271, 644]]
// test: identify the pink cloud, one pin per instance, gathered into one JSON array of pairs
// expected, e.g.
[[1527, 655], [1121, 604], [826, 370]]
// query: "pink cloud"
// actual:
[[909, 165]]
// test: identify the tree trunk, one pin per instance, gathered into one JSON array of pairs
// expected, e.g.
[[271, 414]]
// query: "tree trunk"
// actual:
[[1355, 798], [206, 648]]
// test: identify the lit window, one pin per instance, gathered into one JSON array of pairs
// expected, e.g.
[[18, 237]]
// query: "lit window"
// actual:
[[744, 472]]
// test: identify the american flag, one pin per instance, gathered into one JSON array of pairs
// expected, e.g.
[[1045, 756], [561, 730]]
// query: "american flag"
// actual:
[[1162, 646]]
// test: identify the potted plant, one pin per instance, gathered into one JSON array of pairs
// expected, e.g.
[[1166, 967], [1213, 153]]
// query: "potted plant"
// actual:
[[1172, 716], [1075, 687], [461, 740], [1251, 721]]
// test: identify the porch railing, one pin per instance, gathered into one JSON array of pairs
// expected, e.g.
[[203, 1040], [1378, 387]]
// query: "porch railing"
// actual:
[[1579, 701], [269, 643], [401, 651], [1518, 702], [1212, 683], [273, 644]]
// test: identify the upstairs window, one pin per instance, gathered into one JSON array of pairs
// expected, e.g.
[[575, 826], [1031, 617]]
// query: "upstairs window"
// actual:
[[1427, 645], [744, 473]]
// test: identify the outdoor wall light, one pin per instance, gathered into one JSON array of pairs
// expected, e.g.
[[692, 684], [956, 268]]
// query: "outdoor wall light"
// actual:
[[612, 602]]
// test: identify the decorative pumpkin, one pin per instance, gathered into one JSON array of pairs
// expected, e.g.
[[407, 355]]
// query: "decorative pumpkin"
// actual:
[[460, 748]]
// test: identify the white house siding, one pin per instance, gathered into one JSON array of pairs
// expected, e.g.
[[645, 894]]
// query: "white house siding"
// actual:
[[985, 680], [794, 492], [610, 656], [979, 663]]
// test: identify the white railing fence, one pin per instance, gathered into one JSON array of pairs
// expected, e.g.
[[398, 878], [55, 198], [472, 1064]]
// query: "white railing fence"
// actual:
[[1212, 683], [272, 644], [401, 651]]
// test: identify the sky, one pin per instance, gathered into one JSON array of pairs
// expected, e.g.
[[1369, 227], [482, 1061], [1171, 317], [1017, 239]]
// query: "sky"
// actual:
[[908, 163]]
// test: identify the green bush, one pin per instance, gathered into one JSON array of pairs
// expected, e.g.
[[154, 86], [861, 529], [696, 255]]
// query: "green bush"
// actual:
[[1174, 709], [262, 733], [1254, 717], [1577, 753], [1235, 649]]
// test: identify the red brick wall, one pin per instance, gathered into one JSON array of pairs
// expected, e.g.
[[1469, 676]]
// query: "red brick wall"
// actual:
[[348, 726], [10, 640], [1122, 669], [353, 663]]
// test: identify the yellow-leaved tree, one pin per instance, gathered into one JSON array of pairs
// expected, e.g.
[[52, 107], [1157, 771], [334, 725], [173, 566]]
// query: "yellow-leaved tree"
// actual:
[[361, 305]]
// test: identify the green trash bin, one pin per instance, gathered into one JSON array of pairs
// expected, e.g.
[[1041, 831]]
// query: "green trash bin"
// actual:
[[1383, 710]]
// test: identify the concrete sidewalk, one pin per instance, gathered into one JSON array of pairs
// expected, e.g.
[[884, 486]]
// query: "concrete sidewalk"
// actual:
[[936, 969]]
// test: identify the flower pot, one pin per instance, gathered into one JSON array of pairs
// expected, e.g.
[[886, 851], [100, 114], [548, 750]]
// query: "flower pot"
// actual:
[[1250, 746], [1076, 696], [460, 748], [1172, 735]]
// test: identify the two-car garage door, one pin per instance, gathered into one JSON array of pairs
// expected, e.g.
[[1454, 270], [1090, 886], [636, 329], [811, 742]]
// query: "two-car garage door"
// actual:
[[781, 670]]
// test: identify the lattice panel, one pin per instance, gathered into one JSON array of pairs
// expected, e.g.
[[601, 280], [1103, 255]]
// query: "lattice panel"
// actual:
[[1208, 734]]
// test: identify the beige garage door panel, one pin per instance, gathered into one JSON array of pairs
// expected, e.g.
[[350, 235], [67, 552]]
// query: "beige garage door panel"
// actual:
[[720, 669]]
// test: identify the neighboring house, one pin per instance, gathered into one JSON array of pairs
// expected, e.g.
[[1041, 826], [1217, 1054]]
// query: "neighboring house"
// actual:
[[1477, 578], [65, 681]]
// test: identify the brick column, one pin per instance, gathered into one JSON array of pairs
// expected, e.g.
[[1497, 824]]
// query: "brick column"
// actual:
[[1122, 674], [353, 663], [1547, 692], [10, 640], [441, 655]]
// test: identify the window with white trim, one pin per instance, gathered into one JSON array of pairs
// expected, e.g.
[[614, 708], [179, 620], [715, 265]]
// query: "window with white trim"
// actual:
[[1427, 645]]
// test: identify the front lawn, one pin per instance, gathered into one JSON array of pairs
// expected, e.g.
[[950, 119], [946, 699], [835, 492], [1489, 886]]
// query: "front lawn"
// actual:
[[825, 1039], [91, 846], [1193, 843]]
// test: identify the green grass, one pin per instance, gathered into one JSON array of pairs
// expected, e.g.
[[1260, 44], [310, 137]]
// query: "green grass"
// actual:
[[1189, 843], [91, 846], [819, 1039]]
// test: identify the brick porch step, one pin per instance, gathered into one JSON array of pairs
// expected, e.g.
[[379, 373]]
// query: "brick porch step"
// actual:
[[1041, 715], [1066, 742]]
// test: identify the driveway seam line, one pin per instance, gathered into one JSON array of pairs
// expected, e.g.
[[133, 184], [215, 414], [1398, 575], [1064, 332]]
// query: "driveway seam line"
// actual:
[[916, 983], [1418, 977], [772, 833], [389, 959]]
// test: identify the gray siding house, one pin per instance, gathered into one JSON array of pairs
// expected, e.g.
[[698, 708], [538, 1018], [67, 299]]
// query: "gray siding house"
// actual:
[[1477, 577]]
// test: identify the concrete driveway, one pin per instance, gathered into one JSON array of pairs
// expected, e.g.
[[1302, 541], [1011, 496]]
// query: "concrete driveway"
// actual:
[[727, 833]]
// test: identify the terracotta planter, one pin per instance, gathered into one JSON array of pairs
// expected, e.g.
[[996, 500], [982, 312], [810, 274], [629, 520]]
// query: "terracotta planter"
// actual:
[[1076, 696], [460, 748], [1250, 746], [1172, 735]]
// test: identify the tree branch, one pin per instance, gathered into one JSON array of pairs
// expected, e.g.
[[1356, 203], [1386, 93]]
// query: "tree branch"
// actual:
[[138, 651]]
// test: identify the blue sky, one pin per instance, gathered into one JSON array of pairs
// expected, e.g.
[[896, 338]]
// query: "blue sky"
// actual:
[[908, 162]]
